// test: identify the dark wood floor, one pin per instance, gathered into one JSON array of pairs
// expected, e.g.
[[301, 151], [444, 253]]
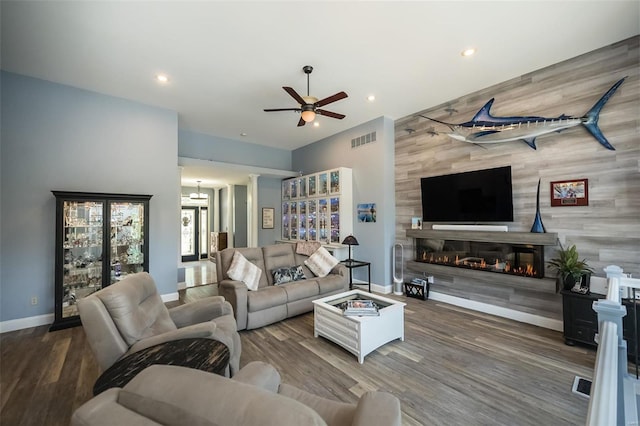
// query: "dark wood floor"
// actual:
[[455, 367]]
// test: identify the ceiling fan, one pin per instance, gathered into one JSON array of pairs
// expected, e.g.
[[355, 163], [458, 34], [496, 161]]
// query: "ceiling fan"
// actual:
[[309, 105]]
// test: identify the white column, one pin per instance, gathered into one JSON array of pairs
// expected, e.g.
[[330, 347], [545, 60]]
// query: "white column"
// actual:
[[216, 210], [252, 211]]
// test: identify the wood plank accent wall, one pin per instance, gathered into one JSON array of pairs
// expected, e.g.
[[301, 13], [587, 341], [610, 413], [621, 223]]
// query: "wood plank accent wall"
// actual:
[[607, 231]]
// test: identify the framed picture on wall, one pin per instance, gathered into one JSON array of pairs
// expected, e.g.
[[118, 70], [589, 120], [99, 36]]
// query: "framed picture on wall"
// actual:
[[367, 212], [268, 214], [570, 193]]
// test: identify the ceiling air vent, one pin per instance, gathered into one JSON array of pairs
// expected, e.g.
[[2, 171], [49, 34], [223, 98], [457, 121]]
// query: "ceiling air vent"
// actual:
[[363, 140]]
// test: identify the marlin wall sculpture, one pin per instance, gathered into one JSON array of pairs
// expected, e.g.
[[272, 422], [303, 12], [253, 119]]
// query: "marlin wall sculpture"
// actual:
[[485, 128]]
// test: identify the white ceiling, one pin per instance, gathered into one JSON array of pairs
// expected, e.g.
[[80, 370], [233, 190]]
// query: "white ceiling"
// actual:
[[227, 61]]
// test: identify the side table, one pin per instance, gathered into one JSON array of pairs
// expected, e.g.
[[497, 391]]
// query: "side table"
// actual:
[[198, 353], [351, 263]]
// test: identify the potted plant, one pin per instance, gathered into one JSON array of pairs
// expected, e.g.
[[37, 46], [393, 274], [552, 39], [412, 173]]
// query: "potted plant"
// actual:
[[570, 269]]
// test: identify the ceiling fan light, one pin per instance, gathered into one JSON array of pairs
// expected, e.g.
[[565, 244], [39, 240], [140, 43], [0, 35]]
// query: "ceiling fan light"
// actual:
[[308, 116]]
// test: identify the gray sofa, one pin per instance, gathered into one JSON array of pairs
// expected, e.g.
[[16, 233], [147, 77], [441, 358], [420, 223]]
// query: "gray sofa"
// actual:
[[172, 395], [272, 303]]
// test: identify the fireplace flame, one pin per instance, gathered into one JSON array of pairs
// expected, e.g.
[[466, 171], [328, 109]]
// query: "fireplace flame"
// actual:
[[499, 265]]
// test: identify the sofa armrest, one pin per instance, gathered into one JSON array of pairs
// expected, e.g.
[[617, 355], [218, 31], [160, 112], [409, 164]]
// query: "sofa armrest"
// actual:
[[341, 270], [201, 310], [104, 410], [206, 330], [235, 292], [260, 374], [379, 408]]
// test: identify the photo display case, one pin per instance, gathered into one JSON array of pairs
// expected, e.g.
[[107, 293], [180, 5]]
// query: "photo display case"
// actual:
[[318, 207], [100, 239]]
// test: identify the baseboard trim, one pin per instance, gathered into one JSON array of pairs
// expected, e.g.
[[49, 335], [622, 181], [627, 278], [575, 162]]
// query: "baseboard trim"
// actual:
[[170, 297], [28, 322], [499, 311], [382, 289]]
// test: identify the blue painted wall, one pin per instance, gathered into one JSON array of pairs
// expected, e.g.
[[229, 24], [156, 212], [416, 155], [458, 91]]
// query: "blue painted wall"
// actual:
[[269, 195], [64, 138], [373, 182], [207, 147]]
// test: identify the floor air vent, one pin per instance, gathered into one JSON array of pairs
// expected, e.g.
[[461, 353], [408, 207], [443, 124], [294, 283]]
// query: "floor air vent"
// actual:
[[363, 140], [582, 387]]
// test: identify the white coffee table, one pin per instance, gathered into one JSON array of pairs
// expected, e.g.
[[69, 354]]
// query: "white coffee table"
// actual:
[[359, 335]]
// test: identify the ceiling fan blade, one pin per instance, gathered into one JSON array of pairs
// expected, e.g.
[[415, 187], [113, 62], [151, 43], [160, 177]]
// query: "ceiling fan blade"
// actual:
[[336, 97], [294, 95], [282, 109], [301, 122], [330, 114]]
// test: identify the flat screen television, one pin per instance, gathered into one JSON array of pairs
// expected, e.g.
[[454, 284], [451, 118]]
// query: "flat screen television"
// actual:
[[478, 196]]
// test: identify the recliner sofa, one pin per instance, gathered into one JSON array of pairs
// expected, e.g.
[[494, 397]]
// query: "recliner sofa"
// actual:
[[172, 395], [129, 316], [272, 303]]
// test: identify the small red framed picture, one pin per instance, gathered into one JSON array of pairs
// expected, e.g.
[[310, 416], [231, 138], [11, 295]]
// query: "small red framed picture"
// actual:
[[569, 193]]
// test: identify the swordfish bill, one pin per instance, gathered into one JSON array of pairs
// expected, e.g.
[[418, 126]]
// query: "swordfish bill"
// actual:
[[485, 128]]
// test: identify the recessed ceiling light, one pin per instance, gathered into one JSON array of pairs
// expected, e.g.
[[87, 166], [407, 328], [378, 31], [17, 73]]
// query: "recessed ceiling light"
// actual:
[[371, 98], [243, 134], [162, 78], [468, 52], [316, 124]]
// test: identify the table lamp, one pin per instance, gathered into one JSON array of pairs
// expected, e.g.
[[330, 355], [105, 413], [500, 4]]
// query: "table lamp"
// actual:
[[350, 241]]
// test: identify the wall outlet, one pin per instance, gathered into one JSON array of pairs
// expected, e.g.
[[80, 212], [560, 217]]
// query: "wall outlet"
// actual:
[[34, 300]]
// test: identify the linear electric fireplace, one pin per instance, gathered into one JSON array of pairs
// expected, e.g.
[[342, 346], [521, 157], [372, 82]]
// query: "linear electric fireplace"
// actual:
[[524, 260]]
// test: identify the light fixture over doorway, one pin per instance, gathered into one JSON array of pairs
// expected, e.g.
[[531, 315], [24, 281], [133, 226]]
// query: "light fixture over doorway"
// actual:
[[198, 195]]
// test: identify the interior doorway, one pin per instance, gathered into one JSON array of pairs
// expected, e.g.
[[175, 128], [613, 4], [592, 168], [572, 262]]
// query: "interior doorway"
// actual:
[[194, 233], [190, 233]]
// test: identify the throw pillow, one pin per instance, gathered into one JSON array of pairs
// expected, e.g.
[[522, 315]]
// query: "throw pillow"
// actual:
[[286, 275], [321, 262], [307, 247], [243, 270]]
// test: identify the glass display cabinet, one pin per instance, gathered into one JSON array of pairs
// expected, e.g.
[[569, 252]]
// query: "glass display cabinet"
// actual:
[[318, 207], [100, 239]]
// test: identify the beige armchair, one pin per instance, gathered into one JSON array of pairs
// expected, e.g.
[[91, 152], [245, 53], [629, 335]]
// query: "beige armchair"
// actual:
[[171, 395], [129, 316]]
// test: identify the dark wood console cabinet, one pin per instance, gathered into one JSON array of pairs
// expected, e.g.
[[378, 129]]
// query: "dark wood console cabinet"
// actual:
[[581, 321]]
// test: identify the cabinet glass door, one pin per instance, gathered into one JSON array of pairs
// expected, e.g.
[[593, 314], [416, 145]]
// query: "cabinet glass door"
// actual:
[[302, 206], [335, 182], [322, 220], [82, 251], [302, 187], [286, 189], [312, 185], [322, 184], [294, 189], [313, 220], [285, 221], [335, 220], [127, 238], [294, 220]]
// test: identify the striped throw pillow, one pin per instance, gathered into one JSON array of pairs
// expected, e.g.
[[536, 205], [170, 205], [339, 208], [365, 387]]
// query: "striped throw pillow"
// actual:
[[321, 262], [243, 270]]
